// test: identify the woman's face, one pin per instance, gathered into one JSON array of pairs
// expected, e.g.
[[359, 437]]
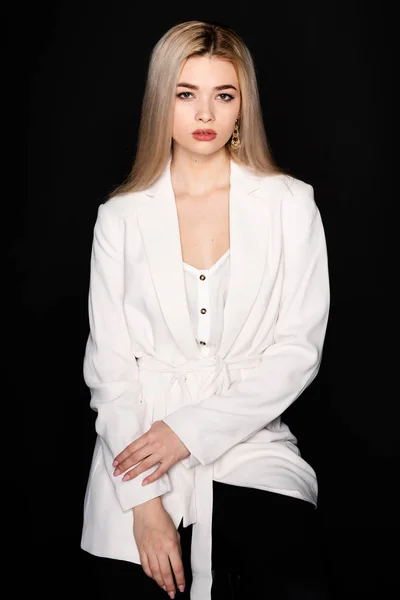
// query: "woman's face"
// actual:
[[207, 98]]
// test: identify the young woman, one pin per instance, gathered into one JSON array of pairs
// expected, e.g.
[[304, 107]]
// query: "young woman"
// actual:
[[208, 308]]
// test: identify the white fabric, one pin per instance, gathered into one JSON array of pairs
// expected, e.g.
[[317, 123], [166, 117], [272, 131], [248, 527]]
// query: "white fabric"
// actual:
[[143, 361], [207, 288]]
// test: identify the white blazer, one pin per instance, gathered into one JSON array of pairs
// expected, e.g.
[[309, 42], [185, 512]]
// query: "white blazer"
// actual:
[[142, 362]]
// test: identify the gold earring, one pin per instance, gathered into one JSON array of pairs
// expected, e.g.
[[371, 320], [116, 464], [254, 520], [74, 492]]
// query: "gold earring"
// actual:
[[235, 141]]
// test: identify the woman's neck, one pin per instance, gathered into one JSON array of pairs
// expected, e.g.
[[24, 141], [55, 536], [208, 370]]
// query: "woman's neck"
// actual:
[[196, 175]]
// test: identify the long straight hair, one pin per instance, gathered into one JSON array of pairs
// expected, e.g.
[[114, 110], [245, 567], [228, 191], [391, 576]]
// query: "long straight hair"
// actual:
[[178, 44]]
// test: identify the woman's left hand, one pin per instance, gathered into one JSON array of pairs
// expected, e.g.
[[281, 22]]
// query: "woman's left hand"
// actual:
[[158, 445]]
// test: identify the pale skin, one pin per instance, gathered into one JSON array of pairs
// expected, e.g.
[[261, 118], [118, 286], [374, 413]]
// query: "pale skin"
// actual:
[[207, 97]]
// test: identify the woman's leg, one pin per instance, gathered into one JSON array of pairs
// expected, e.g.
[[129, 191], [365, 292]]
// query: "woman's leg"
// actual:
[[122, 579], [268, 543], [119, 578]]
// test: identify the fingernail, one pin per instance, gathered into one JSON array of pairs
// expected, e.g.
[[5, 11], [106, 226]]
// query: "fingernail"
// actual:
[[115, 463], [125, 477], [181, 588], [171, 594], [164, 588], [117, 472]]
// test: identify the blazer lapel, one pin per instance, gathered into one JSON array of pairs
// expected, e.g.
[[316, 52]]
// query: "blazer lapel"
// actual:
[[248, 242], [249, 237], [158, 221]]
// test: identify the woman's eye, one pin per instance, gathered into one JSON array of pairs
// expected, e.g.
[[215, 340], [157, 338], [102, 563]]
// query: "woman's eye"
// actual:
[[187, 95]]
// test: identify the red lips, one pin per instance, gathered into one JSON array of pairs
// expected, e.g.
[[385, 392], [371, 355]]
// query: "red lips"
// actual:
[[210, 131], [204, 135]]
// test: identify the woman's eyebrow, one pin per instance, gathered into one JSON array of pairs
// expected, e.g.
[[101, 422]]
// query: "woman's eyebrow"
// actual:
[[216, 88]]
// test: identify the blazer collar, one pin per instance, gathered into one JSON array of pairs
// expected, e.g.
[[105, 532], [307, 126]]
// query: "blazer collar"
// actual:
[[249, 223]]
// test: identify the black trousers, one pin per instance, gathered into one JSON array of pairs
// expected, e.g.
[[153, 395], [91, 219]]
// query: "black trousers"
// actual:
[[265, 546]]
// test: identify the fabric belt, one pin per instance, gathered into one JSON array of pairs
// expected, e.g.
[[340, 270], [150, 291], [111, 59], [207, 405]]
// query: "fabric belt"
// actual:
[[195, 485]]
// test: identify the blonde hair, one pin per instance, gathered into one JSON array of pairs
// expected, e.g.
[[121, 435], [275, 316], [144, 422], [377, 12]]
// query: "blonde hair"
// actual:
[[195, 38]]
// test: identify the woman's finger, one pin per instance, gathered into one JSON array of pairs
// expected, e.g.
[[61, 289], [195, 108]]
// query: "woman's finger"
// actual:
[[161, 469], [144, 561], [133, 447], [155, 569], [144, 465], [175, 557], [132, 459], [166, 572]]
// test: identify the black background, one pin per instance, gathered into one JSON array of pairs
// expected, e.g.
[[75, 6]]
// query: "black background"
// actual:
[[325, 77]]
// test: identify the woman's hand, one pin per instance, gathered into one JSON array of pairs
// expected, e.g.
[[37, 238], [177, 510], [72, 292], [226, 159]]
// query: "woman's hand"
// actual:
[[158, 445], [159, 545]]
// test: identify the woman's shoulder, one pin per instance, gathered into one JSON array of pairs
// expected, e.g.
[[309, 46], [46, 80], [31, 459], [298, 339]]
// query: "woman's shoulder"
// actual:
[[287, 185], [123, 205], [289, 196]]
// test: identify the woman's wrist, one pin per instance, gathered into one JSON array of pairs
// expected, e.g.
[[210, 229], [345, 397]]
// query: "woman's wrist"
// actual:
[[154, 503]]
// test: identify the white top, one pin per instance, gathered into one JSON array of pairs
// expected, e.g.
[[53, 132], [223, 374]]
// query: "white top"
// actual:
[[206, 291]]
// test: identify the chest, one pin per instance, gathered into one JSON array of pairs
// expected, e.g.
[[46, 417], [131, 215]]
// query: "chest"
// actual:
[[204, 228]]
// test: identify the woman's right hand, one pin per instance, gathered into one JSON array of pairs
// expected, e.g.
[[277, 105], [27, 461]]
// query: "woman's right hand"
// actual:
[[158, 543]]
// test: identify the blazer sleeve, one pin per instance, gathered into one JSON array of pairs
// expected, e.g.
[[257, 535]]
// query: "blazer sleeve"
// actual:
[[290, 363], [109, 366]]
